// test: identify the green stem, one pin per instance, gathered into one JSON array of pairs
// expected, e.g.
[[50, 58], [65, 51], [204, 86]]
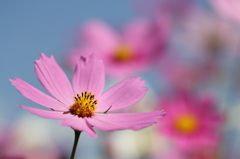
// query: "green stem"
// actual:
[[77, 134]]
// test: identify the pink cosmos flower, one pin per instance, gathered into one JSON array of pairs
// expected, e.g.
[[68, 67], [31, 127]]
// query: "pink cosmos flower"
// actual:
[[83, 106], [193, 123], [133, 51], [228, 9]]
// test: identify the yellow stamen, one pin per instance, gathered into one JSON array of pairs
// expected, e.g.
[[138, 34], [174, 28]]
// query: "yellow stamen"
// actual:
[[84, 105], [186, 123], [123, 53]]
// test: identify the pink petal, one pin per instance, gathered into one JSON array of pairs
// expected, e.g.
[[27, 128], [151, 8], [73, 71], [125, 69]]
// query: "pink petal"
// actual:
[[37, 96], [47, 113], [120, 121], [139, 30], [74, 55], [98, 34], [53, 79], [80, 124], [227, 9], [89, 76], [122, 95]]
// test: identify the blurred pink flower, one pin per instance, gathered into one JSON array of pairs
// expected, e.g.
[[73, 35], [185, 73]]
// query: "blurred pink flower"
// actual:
[[133, 51], [5, 140], [7, 157], [83, 106], [212, 41], [180, 9], [207, 35], [173, 153], [228, 9], [182, 75], [15, 145], [192, 122]]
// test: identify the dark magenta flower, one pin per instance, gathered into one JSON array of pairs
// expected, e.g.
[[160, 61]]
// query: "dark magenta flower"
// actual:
[[192, 122]]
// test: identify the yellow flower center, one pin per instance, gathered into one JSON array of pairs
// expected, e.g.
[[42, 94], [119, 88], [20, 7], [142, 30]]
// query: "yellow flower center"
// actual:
[[84, 105], [123, 53], [186, 124]]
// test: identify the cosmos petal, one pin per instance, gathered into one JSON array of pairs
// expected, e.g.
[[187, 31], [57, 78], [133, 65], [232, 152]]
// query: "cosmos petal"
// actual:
[[46, 113], [122, 95], [227, 9], [89, 76], [80, 124], [100, 35], [53, 79], [37, 96], [121, 121]]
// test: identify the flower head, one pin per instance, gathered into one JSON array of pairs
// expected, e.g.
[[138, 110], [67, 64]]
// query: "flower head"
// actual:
[[141, 42], [192, 122], [207, 36], [84, 106]]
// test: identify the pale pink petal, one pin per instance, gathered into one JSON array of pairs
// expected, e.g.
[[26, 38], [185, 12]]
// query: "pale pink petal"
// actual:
[[139, 30], [37, 96], [122, 95], [47, 113], [227, 9], [120, 121], [89, 76], [74, 55], [53, 79], [98, 34], [80, 124]]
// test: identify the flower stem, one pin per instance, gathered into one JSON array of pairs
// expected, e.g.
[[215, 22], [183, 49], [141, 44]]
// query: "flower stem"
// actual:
[[77, 134]]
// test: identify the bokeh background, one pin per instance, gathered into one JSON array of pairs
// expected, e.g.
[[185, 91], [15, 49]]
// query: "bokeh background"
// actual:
[[187, 51]]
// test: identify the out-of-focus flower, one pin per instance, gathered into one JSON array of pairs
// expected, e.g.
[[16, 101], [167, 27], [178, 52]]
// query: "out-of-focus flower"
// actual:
[[212, 41], [127, 53], [207, 35], [178, 8], [173, 153], [181, 75], [21, 140], [192, 122], [178, 153], [227, 9], [5, 140], [83, 106]]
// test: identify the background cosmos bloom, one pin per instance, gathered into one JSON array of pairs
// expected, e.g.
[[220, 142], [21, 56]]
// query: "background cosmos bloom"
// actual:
[[192, 122], [84, 107], [22, 141], [124, 53], [207, 35]]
